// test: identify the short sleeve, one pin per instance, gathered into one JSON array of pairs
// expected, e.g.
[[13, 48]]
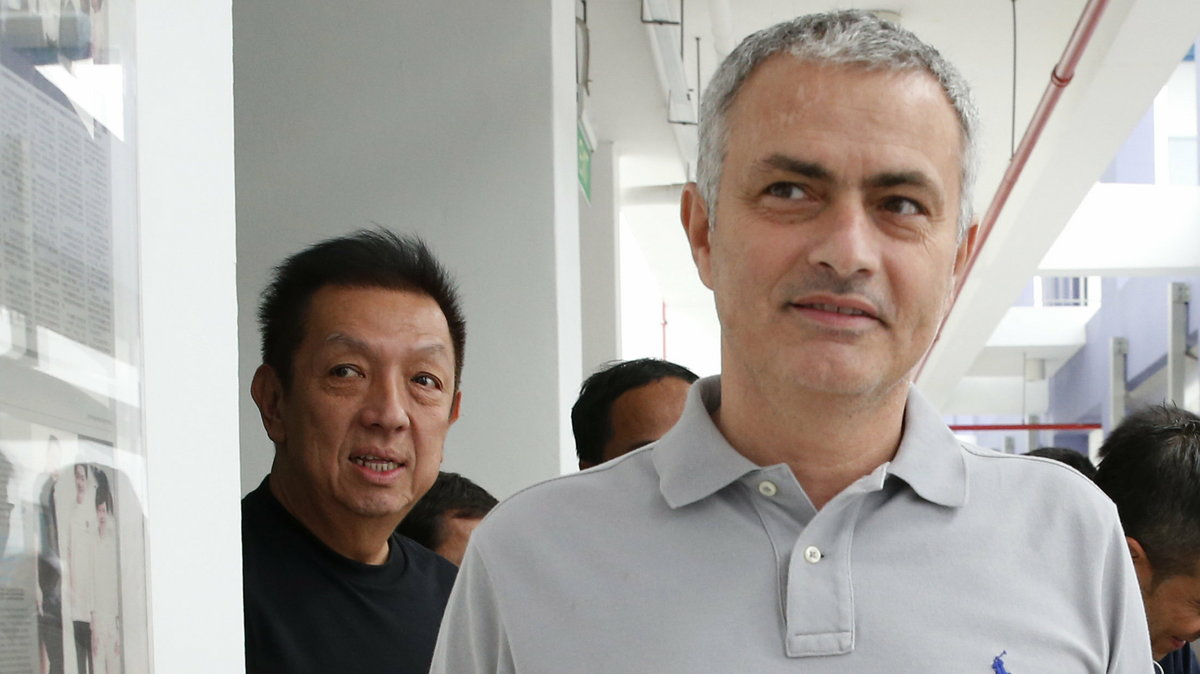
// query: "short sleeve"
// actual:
[[472, 638], [1129, 637]]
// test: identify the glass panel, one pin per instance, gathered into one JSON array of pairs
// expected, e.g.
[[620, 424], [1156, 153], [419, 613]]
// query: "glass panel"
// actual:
[[72, 520]]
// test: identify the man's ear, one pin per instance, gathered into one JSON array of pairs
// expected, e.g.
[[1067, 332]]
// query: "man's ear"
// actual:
[[696, 225], [1141, 563], [965, 247], [455, 407], [267, 391]]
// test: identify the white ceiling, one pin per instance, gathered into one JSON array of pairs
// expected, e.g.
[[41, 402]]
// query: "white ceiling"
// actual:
[[1137, 45]]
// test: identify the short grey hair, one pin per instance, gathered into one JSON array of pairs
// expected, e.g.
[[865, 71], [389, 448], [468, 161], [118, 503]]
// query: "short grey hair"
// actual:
[[849, 37]]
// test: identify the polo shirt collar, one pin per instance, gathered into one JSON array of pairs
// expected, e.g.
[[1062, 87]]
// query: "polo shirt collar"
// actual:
[[930, 459], [694, 460]]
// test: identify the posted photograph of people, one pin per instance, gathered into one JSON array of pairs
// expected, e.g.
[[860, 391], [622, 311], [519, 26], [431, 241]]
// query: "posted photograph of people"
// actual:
[[60, 580]]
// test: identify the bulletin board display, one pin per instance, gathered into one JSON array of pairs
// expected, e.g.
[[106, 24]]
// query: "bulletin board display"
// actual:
[[73, 591]]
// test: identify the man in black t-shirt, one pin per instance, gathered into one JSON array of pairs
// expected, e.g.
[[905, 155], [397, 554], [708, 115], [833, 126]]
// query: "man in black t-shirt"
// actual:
[[1150, 467], [362, 340]]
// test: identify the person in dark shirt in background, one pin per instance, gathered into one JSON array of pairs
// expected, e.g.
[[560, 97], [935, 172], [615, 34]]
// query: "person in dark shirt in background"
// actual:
[[1150, 467], [626, 405], [446, 515], [362, 358]]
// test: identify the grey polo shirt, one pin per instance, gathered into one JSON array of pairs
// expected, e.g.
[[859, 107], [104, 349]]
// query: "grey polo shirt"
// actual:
[[686, 557]]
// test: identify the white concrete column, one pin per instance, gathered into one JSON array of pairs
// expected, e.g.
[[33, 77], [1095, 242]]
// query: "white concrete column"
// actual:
[[184, 96], [450, 119], [599, 262]]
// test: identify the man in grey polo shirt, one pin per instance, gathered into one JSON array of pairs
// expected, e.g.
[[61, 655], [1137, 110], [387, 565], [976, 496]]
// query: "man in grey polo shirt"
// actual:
[[810, 511]]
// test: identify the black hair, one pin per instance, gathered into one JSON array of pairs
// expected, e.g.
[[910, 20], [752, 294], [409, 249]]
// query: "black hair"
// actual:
[[451, 495], [1068, 456], [1150, 467], [363, 259], [591, 416], [103, 492]]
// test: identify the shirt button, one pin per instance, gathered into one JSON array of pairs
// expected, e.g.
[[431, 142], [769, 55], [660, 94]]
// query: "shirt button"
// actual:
[[767, 488], [812, 554]]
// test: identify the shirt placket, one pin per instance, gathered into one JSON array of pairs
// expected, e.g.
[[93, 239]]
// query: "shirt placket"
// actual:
[[820, 600], [812, 551]]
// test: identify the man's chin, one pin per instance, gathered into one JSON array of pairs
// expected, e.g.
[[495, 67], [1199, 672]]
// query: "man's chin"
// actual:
[[1164, 646], [380, 508], [839, 379]]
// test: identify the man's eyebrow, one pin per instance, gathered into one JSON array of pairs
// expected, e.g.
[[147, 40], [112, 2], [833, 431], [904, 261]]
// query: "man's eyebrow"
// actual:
[[900, 178], [782, 162], [347, 340], [431, 348], [816, 171]]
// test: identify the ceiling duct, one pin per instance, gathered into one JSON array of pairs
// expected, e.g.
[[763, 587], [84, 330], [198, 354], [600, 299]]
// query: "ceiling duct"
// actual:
[[666, 40]]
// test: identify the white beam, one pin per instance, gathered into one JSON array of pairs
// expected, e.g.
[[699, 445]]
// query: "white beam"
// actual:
[[998, 396], [1119, 230], [1043, 327], [1136, 47]]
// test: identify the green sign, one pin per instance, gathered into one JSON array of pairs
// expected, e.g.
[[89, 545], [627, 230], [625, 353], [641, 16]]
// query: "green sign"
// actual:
[[585, 162]]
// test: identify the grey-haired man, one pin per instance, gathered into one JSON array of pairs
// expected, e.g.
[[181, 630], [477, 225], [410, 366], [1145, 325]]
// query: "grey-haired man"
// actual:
[[810, 511]]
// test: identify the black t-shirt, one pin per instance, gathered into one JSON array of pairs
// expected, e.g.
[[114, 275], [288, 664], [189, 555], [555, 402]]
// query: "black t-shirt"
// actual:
[[1180, 662], [309, 609]]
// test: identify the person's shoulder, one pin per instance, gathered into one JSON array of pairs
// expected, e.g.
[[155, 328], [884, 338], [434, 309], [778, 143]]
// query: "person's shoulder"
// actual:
[[261, 514], [425, 562], [571, 517], [1036, 477], [255, 508], [1035, 467], [619, 484], [425, 565], [270, 533], [257, 500]]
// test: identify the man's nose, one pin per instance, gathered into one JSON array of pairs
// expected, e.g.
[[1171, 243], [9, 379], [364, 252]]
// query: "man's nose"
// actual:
[[387, 403], [846, 242]]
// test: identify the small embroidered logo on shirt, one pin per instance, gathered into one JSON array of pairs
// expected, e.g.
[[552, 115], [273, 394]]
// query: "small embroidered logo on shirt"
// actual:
[[998, 663]]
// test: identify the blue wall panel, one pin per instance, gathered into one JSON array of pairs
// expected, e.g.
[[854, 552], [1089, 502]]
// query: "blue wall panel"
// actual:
[[1136, 309]]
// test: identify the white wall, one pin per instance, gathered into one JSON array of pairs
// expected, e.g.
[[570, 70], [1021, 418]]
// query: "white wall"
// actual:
[[650, 293], [450, 119], [184, 95], [599, 262], [641, 301]]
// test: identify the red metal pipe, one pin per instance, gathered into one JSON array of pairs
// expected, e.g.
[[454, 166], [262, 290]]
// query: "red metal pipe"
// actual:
[[1060, 77], [1025, 427]]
